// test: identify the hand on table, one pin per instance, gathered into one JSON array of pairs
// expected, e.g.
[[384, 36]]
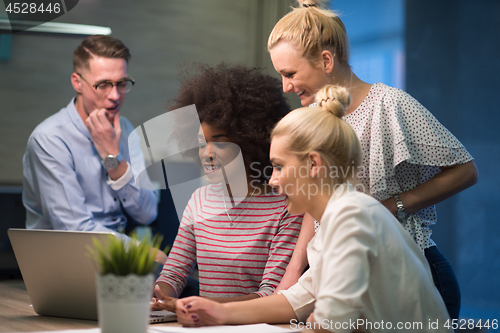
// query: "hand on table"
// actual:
[[161, 301], [198, 311]]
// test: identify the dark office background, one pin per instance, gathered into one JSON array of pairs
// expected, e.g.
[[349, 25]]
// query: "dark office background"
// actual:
[[452, 67], [443, 52]]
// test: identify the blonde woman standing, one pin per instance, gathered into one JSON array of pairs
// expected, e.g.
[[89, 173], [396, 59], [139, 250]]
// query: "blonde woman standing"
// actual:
[[360, 254], [410, 162]]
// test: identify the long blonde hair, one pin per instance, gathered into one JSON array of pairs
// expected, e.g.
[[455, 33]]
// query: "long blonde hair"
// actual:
[[322, 129], [312, 30]]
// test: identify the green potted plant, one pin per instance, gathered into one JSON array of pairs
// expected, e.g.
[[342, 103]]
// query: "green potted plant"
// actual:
[[124, 282]]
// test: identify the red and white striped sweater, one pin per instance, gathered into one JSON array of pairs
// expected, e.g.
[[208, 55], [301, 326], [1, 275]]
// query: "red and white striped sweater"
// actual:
[[249, 257]]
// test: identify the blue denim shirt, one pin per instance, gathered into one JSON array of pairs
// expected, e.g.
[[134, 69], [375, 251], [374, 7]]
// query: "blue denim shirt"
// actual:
[[65, 185]]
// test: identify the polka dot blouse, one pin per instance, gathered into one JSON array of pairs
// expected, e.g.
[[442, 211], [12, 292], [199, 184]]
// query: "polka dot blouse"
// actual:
[[403, 145]]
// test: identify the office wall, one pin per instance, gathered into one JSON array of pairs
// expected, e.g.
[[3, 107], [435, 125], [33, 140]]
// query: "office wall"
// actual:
[[452, 67], [376, 39], [162, 35], [35, 81]]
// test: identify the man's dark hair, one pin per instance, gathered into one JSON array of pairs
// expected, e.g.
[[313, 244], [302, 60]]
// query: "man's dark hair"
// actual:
[[100, 46], [243, 102]]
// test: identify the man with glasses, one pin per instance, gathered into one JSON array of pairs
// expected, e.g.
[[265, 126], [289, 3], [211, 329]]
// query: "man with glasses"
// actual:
[[77, 166]]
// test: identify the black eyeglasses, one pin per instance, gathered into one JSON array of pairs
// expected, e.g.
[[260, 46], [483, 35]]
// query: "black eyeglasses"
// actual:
[[105, 87]]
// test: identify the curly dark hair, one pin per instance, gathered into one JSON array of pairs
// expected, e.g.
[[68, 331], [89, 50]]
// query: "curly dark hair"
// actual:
[[243, 102]]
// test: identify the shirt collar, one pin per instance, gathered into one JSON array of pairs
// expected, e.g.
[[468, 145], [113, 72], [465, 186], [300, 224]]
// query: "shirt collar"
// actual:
[[342, 189], [76, 119]]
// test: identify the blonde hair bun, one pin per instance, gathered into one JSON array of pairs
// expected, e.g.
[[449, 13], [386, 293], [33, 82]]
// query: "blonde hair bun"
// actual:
[[312, 28], [334, 99], [312, 129]]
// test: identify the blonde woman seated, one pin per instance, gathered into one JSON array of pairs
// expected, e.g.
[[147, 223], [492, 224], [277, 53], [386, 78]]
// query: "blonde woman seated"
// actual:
[[366, 272]]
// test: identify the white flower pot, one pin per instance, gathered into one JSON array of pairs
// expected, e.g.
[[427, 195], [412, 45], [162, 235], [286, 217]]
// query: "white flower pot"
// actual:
[[123, 302]]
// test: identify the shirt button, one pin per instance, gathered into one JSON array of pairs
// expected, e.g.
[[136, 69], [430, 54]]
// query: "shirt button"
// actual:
[[114, 199]]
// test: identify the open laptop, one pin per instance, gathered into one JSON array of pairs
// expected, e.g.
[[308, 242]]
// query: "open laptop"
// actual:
[[58, 274]]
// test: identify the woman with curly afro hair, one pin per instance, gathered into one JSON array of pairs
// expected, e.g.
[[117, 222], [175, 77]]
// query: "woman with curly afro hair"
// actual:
[[236, 229]]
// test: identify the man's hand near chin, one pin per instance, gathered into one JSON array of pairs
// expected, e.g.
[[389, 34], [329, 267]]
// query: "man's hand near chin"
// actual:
[[106, 138], [104, 134]]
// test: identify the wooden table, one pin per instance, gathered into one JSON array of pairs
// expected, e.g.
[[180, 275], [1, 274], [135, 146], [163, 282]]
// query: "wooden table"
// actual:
[[17, 315]]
